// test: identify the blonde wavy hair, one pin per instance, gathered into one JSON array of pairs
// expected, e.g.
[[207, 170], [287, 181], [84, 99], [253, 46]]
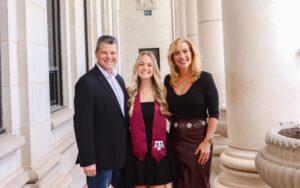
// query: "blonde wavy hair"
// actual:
[[174, 71], [160, 90]]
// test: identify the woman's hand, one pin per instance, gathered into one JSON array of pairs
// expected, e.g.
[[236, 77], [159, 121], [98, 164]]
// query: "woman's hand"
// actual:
[[204, 149]]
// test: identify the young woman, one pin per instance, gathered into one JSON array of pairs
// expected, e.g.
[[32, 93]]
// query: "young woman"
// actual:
[[150, 163], [193, 100]]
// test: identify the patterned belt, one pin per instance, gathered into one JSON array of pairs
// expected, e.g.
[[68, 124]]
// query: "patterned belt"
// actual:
[[190, 123]]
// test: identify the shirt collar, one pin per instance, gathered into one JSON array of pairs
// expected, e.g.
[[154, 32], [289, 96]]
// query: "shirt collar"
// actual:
[[107, 76]]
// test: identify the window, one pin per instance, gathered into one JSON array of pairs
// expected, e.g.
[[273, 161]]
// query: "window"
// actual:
[[85, 12], [1, 122], [155, 51], [54, 46], [147, 12]]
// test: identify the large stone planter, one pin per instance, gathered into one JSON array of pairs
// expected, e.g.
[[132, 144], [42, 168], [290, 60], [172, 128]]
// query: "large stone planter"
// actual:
[[279, 162]]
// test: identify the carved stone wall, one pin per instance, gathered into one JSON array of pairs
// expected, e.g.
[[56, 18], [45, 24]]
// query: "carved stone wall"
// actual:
[[146, 4]]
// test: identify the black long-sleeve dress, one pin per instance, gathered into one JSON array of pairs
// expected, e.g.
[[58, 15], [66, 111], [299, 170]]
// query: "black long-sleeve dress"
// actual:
[[148, 171], [188, 128]]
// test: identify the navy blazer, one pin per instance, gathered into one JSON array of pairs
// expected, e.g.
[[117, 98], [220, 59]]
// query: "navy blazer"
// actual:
[[100, 127]]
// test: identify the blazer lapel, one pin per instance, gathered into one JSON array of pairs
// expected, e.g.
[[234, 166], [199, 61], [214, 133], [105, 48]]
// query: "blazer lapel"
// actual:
[[107, 86], [122, 84]]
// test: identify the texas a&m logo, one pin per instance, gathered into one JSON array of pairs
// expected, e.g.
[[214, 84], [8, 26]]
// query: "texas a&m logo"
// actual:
[[158, 144]]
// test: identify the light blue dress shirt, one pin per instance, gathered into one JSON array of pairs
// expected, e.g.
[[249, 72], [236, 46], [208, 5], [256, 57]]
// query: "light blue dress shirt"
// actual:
[[114, 84]]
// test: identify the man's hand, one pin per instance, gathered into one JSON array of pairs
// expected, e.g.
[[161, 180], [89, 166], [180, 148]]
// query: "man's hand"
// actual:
[[90, 170]]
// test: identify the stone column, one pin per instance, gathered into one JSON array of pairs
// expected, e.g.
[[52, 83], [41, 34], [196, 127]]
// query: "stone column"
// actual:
[[210, 28], [107, 17], [191, 21], [212, 55], [179, 18], [262, 81]]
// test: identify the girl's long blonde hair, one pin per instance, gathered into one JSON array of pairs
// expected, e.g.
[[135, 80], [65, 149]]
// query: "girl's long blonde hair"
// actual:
[[174, 71], [160, 91]]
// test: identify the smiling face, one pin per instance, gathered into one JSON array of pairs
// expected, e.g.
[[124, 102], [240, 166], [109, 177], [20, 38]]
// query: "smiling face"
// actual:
[[107, 56], [182, 56], [145, 68]]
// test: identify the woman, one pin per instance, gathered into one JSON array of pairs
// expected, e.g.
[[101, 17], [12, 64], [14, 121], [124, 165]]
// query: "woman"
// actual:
[[150, 163], [193, 100]]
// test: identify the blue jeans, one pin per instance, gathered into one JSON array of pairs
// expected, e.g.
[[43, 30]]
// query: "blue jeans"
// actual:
[[105, 177]]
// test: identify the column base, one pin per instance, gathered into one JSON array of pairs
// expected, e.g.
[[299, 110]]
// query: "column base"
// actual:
[[220, 144], [238, 170]]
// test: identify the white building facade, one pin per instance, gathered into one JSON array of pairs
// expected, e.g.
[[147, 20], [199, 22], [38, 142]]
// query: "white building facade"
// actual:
[[249, 46]]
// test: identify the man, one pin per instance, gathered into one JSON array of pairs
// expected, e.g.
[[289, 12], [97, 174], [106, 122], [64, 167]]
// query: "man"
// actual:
[[100, 119]]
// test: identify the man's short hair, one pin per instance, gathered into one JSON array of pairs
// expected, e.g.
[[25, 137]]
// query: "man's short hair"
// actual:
[[108, 39]]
